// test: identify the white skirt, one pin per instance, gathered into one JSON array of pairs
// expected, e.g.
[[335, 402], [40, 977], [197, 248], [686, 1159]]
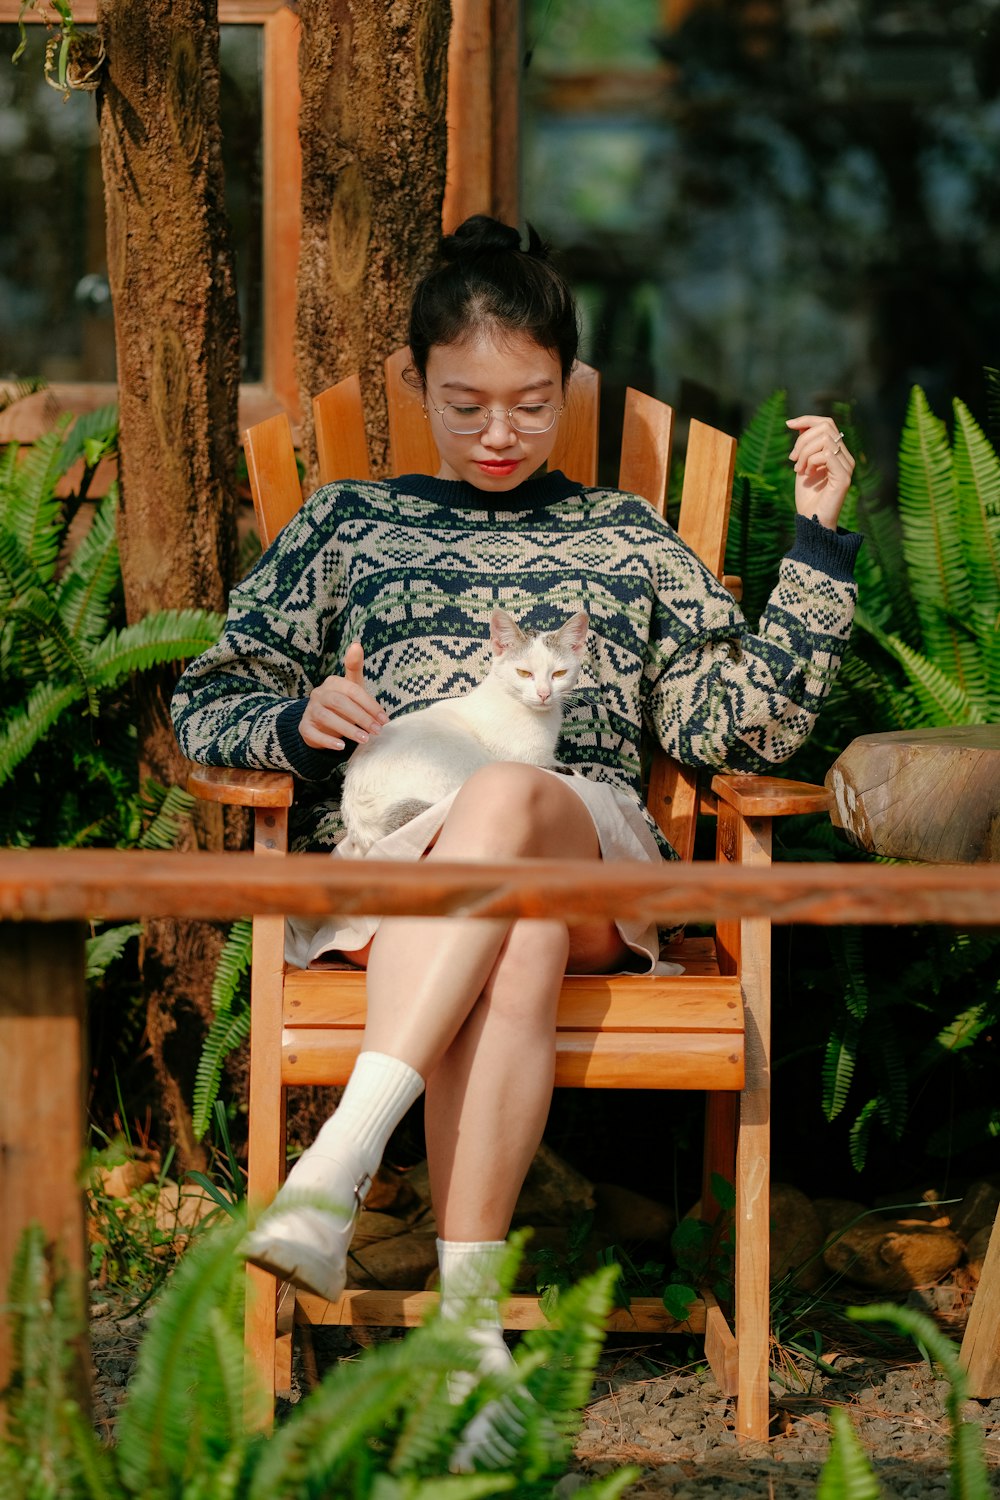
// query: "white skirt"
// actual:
[[621, 830]]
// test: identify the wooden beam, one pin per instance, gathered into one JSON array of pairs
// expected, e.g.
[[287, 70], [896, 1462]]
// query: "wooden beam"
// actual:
[[51, 885], [42, 1112], [981, 1344]]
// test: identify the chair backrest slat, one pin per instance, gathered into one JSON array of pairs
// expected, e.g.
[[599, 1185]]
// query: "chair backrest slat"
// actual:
[[647, 433], [341, 441], [412, 449], [273, 474], [575, 450], [708, 475]]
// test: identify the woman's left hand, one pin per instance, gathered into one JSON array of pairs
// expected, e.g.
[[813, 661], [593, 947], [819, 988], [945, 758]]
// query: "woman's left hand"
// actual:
[[823, 468]]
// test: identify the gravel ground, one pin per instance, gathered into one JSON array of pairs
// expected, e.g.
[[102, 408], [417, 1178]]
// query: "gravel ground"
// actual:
[[677, 1427]]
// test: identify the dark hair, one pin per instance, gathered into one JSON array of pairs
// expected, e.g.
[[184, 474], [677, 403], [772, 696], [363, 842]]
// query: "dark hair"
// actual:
[[486, 282]]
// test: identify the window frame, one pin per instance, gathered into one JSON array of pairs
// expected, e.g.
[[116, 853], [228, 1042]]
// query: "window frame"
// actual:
[[282, 172]]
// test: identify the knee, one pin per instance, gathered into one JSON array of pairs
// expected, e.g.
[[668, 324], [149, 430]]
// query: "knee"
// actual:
[[498, 810], [525, 984]]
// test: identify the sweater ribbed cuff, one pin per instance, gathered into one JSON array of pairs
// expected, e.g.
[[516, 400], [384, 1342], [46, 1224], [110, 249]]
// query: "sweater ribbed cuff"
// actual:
[[310, 764], [830, 552]]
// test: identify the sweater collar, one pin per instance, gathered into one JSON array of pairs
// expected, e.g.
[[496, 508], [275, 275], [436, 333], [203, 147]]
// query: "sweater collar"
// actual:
[[457, 494]]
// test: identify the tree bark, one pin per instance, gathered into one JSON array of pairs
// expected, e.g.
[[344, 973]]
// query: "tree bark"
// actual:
[[374, 84], [177, 340]]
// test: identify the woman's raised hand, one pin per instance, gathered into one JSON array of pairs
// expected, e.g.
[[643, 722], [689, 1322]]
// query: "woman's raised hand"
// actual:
[[823, 468], [340, 709]]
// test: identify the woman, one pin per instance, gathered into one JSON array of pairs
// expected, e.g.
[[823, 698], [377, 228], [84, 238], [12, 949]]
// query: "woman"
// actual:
[[376, 598]]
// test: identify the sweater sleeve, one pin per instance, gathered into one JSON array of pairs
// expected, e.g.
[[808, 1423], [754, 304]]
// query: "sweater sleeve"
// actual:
[[241, 702], [720, 696]]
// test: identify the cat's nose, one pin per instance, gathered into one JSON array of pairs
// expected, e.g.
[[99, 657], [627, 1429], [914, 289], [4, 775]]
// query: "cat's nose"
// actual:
[[544, 694]]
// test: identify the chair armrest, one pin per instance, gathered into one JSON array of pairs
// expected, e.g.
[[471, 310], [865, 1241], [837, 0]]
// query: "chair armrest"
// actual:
[[241, 788], [770, 796]]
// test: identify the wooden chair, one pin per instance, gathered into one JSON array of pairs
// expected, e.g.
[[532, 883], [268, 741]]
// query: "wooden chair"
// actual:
[[708, 1028]]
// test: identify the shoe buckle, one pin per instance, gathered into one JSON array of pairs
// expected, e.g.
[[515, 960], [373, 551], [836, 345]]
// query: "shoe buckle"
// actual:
[[362, 1188]]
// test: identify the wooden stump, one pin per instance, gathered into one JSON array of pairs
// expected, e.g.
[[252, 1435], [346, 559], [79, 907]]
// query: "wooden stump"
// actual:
[[923, 794], [42, 1110]]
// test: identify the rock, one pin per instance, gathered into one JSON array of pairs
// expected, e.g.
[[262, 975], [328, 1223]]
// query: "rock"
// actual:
[[975, 1250], [623, 1215], [395, 1191], [977, 1210], [918, 1204], [125, 1178], [836, 1213], [892, 1256], [181, 1207], [796, 1236], [553, 1191], [419, 1182], [372, 1227], [403, 1262]]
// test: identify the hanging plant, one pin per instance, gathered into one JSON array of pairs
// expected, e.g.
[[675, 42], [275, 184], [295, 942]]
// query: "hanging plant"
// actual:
[[73, 58]]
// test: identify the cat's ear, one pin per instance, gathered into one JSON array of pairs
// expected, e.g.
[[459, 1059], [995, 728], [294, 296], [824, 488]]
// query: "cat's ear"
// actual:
[[573, 635], [504, 632]]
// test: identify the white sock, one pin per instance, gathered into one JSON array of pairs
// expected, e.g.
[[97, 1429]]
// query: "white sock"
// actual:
[[378, 1094], [470, 1288]]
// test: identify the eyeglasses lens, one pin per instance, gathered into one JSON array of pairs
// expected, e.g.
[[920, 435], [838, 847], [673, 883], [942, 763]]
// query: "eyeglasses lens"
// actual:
[[464, 421]]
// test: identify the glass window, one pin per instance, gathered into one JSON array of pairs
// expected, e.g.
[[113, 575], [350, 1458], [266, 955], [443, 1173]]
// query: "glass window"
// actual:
[[55, 312], [797, 195]]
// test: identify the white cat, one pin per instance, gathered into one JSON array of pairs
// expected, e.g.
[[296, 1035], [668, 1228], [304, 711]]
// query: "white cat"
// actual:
[[515, 713]]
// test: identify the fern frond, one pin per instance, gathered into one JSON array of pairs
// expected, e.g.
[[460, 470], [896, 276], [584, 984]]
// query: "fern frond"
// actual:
[[765, 442], [942, 699], [969, 1475], [932, 542], [31, 510], [95, 1466], [93, 435], [26, 726], [59, 654], [177, 1377], [93, 578], [860, 1133], [225, 1034], [991, 379], [102, 950], [172, 635], [838, 1066], [20, 390], [234, 962], [847, 1474], [172, 808]]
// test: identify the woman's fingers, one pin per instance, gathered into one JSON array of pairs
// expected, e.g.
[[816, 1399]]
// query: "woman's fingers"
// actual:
[[823, 467], [341, 708]]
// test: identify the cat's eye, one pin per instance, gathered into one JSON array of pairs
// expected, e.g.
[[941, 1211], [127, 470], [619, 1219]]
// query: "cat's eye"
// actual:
[[561, 672], [522, 672]]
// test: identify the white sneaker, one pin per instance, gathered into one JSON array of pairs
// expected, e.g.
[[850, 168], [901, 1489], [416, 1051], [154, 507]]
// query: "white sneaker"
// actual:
[[305, 1235]]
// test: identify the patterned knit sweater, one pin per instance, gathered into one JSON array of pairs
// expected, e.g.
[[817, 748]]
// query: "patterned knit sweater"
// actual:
[[413, 567]]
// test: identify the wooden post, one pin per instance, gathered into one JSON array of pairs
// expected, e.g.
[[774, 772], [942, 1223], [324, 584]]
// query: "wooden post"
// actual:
[[981, 1344], [484, 81], [42, 1108]]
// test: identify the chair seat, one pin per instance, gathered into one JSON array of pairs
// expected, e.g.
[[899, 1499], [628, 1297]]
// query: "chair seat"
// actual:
[[609, 1028]]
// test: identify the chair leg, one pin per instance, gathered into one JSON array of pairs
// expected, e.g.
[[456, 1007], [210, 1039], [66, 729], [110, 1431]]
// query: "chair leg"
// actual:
[[265, 1167], [753, 1192]]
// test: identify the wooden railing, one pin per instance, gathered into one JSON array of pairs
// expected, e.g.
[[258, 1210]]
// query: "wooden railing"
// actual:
[[47, 896]]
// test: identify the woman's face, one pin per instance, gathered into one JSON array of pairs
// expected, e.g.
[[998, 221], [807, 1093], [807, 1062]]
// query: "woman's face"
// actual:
[[499, 373]]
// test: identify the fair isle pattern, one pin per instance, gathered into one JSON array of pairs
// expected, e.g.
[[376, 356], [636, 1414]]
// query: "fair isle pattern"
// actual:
[[415, 578]]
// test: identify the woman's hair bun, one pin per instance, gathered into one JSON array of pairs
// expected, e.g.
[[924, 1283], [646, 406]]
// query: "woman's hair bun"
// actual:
[[481, 235]]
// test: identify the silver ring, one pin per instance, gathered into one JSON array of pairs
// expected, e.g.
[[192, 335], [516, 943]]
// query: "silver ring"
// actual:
[[840, 434], [837, 449]]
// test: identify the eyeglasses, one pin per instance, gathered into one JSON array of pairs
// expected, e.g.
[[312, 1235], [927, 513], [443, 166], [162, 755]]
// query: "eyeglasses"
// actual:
[[465, 421]]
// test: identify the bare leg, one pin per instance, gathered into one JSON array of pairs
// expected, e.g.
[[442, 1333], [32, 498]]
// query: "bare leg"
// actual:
[[475, 1011]]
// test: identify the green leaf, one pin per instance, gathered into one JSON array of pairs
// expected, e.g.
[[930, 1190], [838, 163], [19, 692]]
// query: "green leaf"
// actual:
[[677, 1299], [169, 636], [847, 1473], [102, 950], [724, 1192]]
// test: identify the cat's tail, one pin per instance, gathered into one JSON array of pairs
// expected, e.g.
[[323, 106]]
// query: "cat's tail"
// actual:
[[366, 826]]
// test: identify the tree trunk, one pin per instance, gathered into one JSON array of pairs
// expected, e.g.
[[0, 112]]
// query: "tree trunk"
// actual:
[[374, 83], [177, 342]]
